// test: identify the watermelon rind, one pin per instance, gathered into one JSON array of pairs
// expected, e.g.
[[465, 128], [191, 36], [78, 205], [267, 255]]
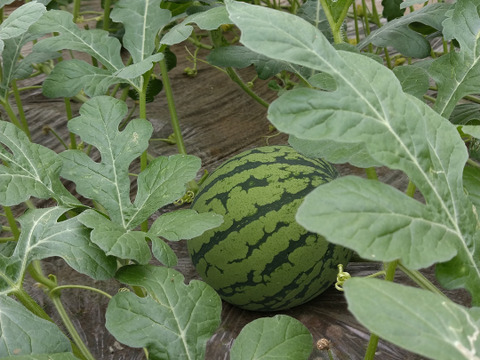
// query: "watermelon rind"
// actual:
[[260, 258]]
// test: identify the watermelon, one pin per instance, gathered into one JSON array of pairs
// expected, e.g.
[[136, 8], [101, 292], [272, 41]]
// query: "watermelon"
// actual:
[[260, 258]]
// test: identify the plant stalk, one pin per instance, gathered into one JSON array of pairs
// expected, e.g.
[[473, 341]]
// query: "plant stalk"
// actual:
[[11, 221], [234, 76], [390, 269], [106, 15], [76, 10], [421, 280], [171, 108], [12, 116], [21, 113], [70, 327], [31, 304], [68, 109]]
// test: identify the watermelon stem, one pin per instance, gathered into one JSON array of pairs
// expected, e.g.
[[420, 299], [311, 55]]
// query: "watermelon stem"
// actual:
[[390, 269]]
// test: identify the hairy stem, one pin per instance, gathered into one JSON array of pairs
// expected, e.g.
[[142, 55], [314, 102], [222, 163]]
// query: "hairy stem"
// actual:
[[236, 78], [420, 280], [12, 116], [21, 113], [76, 10], [106, 15], [84, 287], [31, 304], [390, 269], [68, 110], [11, 221], [171, 108], [70, 327]]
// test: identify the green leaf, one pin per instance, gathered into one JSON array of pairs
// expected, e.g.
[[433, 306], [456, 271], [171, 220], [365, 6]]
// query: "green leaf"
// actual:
[[473, 130], [139, 68], [463, 114], [94, 42], [60, 356], [455, 72], [22, 333], [240, 57], [425, 323], [471, 181], [162, 251], [392, 9], [210, 19], [312, 11], [354, 153], [17, 67], [5, 2], [337, 8], [387, 224], [70, 76], [161, 183], [153, 89], [174, 321], [44, 235], [106, 181], [398, 34], [142, 20], [369, 108], [20, 20], [408, 3], [115, 239], [414, 80], [280, 337], [12, 270], [173, 225], [33, 170]]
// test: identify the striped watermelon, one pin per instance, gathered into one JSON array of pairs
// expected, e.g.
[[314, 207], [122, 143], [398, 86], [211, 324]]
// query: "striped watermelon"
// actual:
[[260, 258]]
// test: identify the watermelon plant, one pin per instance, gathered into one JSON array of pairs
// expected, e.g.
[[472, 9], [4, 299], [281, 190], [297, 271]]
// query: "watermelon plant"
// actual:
[[336, 100]]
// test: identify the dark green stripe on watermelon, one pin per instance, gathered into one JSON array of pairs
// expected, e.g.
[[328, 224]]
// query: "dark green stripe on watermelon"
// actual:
[[260, 258]]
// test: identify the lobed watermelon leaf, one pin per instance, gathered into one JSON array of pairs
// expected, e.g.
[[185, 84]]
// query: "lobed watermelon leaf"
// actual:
[[173, 322], [108, 183], [14, 34], [280, 337], [398, 33], [142, 20], [20, 335], [96, 43], [210, 19], [33, 170], [171, 226], [455, 72], [19, 21], [43, 236]]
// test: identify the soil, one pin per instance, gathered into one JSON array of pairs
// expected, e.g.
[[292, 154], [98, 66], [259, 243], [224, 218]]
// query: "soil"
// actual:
[[218, 120]]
